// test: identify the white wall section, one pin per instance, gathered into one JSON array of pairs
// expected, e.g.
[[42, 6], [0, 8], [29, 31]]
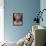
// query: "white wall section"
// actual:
[[1, 20]]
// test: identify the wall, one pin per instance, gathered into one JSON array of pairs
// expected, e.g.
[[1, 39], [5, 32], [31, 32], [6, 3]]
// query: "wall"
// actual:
[[28, 7], [1, 21], [42, 6]]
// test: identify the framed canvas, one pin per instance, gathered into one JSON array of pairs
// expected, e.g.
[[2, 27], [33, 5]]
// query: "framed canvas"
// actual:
[[17, 19]]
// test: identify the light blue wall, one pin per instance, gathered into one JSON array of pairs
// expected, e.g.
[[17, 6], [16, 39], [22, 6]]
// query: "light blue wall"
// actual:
[[28, 7], [43, 6]]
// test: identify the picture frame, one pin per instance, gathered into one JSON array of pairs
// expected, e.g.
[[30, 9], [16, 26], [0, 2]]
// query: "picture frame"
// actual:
[[17, 19]]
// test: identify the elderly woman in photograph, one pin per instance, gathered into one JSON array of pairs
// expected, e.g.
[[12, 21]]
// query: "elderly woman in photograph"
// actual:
[[18, 19]]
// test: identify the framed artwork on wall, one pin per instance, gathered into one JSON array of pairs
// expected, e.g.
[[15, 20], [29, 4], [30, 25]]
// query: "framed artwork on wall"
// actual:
[[17, 19]]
